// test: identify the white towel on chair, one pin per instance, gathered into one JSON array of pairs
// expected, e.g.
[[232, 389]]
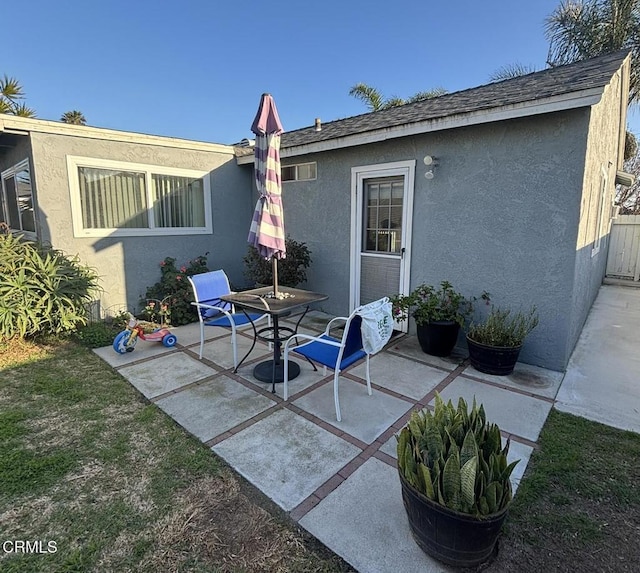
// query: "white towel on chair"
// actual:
[[377, 324]]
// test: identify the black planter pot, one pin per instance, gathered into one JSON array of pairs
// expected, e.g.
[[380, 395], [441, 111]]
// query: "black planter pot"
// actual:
[[438, 337], [498, 360], [454, 538]]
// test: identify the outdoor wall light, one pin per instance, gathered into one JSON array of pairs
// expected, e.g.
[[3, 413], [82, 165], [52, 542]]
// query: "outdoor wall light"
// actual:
[[430, 162]]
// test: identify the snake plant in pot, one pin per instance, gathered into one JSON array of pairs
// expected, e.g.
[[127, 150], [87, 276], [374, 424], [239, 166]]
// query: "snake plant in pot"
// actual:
[[438, 312], [455, 481]]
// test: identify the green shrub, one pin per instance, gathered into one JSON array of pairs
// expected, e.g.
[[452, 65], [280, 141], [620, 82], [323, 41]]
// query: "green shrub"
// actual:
[[175, 291], [97, 334], [291, 269], [42, 291]]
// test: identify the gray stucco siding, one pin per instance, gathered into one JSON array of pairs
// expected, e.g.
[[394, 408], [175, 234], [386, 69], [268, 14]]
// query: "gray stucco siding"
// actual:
[[602, 152], [128, 265]]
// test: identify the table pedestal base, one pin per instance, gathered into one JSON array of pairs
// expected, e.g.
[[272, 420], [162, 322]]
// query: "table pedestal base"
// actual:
[[264, 371]]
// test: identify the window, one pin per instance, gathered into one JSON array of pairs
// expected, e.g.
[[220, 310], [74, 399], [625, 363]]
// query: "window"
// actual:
[[383, 215], [300, 172], [116, 198], [16, 198], [602, 210]]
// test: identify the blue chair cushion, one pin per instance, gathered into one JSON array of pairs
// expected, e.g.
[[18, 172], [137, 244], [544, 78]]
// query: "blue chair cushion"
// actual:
[[327, 355], [239, 318]]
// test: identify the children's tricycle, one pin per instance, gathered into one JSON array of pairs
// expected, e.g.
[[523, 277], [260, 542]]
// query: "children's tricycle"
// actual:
[[126, 340]]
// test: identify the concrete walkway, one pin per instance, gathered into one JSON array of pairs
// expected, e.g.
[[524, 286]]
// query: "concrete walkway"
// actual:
[[339, 480]]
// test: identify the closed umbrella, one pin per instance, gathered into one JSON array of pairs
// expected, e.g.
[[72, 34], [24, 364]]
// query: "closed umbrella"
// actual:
[[267, 226]]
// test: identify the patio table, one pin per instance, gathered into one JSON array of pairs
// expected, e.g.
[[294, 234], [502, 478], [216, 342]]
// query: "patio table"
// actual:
[[261, 300]]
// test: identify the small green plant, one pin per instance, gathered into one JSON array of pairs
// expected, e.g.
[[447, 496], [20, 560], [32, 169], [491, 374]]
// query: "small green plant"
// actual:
[[455, 457], [427, 303], [174, 291], [42, 290], [292, 270], [503, 328], [97, 334]]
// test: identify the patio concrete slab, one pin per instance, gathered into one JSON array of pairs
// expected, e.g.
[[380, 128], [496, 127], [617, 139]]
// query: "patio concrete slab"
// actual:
[[515, 413], [525, 377], [602, 382], [214, 407], [165, 373], [220, 351], [518, 451], [307, 377], [364, 417], [410, 347], [286, 456], [364, 521], [142, 351], [402, 375], [390, 447]]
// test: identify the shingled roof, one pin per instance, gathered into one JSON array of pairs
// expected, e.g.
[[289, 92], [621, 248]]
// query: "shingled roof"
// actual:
[[585, 76]]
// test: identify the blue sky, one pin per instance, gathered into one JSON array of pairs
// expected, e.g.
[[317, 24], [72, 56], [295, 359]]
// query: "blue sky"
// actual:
[[196, 69]]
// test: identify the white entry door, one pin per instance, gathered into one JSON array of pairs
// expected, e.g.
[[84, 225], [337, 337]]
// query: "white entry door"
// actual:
[[381, 208]]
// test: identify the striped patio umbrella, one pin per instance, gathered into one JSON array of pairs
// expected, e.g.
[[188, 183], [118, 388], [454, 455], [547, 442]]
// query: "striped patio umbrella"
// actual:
[[267, 226]]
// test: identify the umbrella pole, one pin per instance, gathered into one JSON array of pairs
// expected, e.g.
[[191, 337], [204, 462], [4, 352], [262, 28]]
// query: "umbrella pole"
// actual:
[[274, 264]]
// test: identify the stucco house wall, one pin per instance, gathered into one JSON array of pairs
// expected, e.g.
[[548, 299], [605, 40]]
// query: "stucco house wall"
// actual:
[[128, 265], [501, 215], [604, 152]]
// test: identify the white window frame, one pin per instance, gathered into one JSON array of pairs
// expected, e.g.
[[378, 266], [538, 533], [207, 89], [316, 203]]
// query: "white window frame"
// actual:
[[11, 171], [296, 166], [602, 208], [75, 161]]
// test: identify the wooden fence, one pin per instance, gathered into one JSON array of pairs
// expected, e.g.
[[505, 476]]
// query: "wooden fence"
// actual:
[[623, 260]]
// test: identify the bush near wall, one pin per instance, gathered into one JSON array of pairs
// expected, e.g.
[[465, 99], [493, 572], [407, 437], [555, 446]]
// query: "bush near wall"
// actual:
[[42, 290], [175, 291]]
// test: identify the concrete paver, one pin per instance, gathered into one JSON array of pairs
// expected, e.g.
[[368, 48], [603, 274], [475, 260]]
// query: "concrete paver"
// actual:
[[286, 456], [214, 407]]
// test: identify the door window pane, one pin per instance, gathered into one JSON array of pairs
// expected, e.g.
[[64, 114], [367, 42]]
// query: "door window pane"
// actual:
[[383, 215]]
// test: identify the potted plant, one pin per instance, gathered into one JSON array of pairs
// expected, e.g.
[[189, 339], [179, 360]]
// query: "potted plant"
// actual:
[[455, 482], [495, 343], [439, 313]]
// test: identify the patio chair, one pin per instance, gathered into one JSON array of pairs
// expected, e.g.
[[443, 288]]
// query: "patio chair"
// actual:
[[207, 290], [335, 353]]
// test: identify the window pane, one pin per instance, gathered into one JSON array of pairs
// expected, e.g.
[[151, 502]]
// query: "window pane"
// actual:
[[306, 171], [12, 202], [178, 201], [25, 199], [112, 199], [288, 173]]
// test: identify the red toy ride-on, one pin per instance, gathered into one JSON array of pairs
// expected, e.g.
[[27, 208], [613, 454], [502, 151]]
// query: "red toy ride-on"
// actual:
[[126, 340]]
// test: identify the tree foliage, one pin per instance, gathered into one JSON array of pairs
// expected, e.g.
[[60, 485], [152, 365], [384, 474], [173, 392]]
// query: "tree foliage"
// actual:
[[375, 101], [11, 96], [74, 117], [511, 71], [628, 198], [582, 29]]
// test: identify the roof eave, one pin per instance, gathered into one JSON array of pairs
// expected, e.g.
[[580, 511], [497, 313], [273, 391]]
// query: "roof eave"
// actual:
[[25, 125], [585, 98]]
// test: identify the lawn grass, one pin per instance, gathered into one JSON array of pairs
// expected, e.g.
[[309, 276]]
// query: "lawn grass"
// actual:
[[88, 463], [578, 506]]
